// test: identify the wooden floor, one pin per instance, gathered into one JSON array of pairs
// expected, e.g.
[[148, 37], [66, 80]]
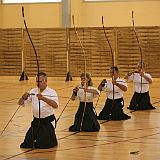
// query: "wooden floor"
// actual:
[[135, 139]]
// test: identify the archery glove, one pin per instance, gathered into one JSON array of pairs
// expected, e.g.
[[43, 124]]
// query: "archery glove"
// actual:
[[25, 96], [75, 91], [103, 82]]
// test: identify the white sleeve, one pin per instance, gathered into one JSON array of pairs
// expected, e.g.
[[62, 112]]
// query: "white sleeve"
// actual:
[[95, 95], [105, 87], [123, 82], [131, 77], [54, 96], [29, 99], [149, 76]]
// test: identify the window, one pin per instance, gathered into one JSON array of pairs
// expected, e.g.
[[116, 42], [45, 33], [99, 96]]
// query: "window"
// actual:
[[96, 0], [115, 0], [29, 1]]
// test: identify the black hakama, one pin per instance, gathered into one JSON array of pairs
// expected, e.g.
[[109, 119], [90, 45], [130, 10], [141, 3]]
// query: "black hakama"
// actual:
[[41, 134], [140, 101], [113, 112], [88, 122]]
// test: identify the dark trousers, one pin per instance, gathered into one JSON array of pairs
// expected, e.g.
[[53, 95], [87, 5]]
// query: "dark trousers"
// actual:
[[140, 101], [113, 110], [41, 134]]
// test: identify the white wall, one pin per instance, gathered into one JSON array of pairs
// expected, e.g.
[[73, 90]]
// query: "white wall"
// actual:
[[36, 15], [146, 13]]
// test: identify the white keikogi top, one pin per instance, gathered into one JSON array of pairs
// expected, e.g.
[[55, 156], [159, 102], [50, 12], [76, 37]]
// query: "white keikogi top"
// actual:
[[89, 96], [136, 78], [46, 110], [118, 93]]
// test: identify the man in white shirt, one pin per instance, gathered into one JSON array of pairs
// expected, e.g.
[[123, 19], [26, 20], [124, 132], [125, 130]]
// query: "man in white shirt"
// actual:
[[141, 80], [44, 101], [114, 102]]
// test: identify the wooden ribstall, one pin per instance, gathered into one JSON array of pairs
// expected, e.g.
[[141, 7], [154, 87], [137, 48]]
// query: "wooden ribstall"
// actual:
[[60, 51]]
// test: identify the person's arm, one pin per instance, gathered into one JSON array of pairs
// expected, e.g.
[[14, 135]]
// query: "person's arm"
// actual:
[[149, 79], [94, 91], [23, 98], [74, 94], [102, 84], [47, 100], [121, 86]]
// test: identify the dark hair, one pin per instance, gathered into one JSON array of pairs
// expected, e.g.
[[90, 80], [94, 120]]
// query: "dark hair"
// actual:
[[42, 74], [88, 76], [114, 68]]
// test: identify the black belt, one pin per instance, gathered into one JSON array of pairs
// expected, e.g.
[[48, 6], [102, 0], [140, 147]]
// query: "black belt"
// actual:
[[46, 120]]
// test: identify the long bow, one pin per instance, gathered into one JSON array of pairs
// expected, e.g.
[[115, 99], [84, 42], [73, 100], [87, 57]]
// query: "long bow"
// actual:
[[85, 64], [31, 41], [112, 55], [140, 49], [36, 62]]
